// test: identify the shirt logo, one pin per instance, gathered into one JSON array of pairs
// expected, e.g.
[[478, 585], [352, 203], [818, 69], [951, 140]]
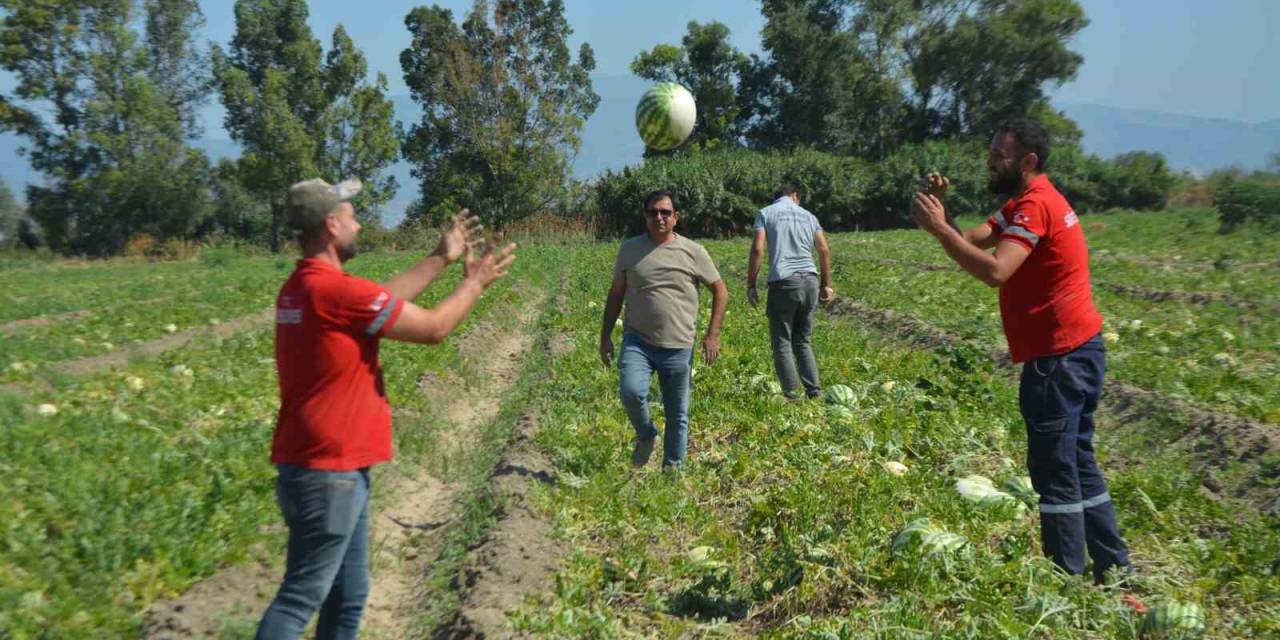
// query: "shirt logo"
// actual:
[[1021, 218], [1072, 219], [288, 316], [379, 301]]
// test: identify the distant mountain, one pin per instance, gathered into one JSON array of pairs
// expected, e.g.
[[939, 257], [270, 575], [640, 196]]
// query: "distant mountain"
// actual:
[[609, 141], [1199, 145]]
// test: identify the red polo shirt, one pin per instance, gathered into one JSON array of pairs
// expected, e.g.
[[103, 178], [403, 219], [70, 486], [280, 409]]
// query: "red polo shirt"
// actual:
[[1047, 304], [334, 414]]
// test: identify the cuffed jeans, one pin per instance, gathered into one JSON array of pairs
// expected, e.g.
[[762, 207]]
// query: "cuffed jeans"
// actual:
[[790, 308], [327, 566], [1058, 396], [637, 362]]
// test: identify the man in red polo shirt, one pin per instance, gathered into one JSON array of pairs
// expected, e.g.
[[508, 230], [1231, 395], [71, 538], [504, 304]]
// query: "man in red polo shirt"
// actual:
[[1041, 265], [335, 421]]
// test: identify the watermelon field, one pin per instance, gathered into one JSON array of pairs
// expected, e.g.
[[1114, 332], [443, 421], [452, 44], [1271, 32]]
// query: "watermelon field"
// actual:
[[137, 403]]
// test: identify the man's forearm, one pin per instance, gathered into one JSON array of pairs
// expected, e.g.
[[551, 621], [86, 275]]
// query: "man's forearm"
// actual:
[[753, 266], [410, 284], [454, 309], [972, 258], [824, 263], [612, 309], [719, 302]]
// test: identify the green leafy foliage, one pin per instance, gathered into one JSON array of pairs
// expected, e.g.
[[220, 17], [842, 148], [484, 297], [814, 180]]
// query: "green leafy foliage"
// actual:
[[115, 153], [300, 114], [503, 101], [1254, 199], [720, 194]]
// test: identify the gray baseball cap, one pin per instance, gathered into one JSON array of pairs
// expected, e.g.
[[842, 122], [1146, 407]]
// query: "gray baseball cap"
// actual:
[[311, 201]]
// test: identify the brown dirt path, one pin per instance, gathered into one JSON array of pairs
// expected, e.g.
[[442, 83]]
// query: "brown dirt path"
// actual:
[[405, 538], [518, 556]]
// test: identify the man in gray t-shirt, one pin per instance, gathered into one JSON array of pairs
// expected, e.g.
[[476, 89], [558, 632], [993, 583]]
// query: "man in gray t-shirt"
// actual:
[[792, 234], [658, 275]]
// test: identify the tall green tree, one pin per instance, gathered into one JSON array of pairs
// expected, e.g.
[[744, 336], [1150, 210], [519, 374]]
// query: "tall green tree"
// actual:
[[976, 64], [708, 65], [178, 62], [788, 94], [113, 148], [297, 114], [503, 103], [360, 136], [863, 76]]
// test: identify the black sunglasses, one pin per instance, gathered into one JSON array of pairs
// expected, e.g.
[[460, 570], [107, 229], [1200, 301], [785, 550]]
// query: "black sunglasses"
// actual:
[[666, 213]]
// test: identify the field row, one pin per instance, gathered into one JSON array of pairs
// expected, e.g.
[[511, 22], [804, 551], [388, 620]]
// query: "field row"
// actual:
[[783, 524]]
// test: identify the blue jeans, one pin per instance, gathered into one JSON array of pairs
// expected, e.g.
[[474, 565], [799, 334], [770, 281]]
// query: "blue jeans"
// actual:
[[637, 362], [1058, 396], [327, 566], [790, 309]]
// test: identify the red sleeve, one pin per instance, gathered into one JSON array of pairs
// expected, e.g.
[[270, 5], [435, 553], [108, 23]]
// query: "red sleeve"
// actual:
[[1025, 223], [366, 307]]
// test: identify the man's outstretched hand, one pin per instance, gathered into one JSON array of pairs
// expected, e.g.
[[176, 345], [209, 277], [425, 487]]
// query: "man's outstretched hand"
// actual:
[[490, 264], [463, 232]]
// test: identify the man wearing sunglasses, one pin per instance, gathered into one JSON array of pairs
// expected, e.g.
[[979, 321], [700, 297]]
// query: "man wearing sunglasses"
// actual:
[[657, 275]]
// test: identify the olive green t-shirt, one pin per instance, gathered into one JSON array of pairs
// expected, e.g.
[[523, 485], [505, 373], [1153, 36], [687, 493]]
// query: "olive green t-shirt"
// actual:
[[662, 288]]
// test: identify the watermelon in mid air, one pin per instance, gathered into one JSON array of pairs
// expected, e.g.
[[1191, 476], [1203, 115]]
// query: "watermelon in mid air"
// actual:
[[665, 116]]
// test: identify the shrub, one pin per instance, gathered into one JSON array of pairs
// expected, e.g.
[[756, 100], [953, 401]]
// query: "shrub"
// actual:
[[720, 193], [900, 175], [1136, 180], [1252, 199]]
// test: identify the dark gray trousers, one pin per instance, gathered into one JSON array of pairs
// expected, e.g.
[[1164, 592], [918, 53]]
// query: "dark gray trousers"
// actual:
[[790, 308]]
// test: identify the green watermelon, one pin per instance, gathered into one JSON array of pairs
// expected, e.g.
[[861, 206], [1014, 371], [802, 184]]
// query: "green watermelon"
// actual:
[[665, 116], [1173, 619], [839, 412], [839, 394]]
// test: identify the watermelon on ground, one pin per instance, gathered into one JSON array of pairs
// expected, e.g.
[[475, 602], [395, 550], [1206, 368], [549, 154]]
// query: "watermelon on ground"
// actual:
[[930, 538], [839, 394], [1173, 619]]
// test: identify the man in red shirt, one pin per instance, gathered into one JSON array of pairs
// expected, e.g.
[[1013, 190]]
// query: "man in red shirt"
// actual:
[[335, 421], [1041, 265]]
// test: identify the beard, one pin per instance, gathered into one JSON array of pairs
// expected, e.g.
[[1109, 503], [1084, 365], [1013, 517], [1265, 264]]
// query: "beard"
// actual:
[[348, 251], [1007, 182]]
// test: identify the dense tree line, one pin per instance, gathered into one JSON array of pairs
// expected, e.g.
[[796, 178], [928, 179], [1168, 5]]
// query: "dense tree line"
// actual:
[[108, 94]]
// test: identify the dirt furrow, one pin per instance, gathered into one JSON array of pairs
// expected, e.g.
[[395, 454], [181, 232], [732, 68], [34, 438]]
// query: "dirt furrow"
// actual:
[[405, 538], [94, 364], [517, 557], [16, 326]]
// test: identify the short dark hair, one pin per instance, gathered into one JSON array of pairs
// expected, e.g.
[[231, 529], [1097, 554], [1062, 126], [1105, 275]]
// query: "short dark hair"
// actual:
[[654, 196], [785, 189], [1030, 137]]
